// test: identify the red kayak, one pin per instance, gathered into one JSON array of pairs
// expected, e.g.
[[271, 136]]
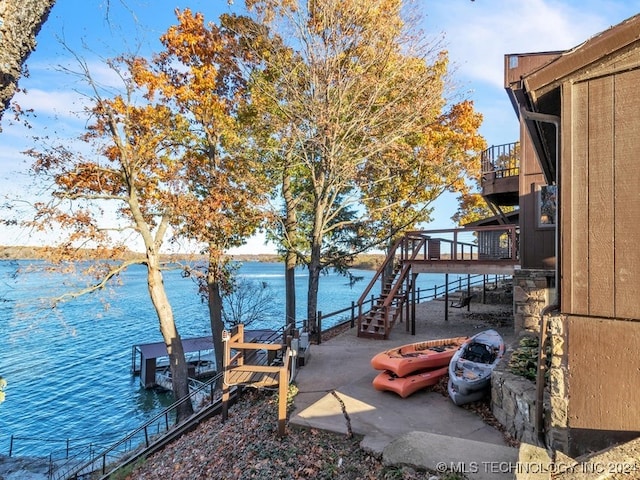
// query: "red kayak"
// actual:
[[419, 356], [405, 386]]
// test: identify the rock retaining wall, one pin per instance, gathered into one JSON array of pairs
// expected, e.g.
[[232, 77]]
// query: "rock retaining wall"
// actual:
[[513, 399], [532, 291]]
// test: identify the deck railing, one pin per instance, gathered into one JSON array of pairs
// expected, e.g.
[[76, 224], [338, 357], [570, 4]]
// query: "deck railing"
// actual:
[[496, 243], [501, 161], [438, 251], [490, 244]]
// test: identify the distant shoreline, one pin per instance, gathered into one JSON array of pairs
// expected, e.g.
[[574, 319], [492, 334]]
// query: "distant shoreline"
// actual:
[[364, 261]]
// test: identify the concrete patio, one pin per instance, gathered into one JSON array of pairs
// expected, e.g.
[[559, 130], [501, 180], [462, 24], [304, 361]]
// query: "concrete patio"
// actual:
[[425, 429]]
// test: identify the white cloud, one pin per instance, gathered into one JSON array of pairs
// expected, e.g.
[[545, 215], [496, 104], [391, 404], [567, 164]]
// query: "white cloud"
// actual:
[[479, 34], [55, 103]]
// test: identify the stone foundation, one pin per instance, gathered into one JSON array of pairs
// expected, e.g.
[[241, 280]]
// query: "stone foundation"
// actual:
[[532, 291], [557, 387], [513, 397], [513, 403]]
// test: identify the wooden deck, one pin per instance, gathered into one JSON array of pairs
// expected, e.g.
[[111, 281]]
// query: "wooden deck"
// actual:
[[250, 375], [253, 364], [483, 250]]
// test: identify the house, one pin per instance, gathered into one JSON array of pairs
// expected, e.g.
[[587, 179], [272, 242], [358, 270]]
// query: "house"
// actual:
[[579, 113], [571, 245]]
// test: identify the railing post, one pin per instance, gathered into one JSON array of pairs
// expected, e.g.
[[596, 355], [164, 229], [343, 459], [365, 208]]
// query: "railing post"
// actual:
[[484, 289], [413, 305], [11, 445], [282, 400], [353, 313], [455, 246], [446, 297], [319, 323]]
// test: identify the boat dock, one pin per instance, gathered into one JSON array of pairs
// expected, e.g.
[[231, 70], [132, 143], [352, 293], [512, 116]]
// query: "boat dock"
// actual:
[[151, 361]]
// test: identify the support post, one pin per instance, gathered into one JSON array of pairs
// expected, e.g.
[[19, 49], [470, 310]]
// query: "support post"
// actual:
[[484, 289], [413, 304], [225, 374], [283, 388], [446, 297]]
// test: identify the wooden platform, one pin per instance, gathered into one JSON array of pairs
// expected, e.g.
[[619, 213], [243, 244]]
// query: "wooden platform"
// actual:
[[248, 375], [251, 363]]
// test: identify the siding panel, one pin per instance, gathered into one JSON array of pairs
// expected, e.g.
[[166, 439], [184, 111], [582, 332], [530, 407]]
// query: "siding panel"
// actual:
[[627, 195], [566, 147], [604, 373], [576, 252], [600, 206]]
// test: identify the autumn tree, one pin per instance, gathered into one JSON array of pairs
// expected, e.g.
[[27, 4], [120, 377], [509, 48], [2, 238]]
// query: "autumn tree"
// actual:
[[127, 187], [202, 74], [473, 207], [363, 104], [405, 181]]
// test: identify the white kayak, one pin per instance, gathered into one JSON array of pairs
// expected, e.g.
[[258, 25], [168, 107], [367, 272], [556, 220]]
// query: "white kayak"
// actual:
[[471, 366]]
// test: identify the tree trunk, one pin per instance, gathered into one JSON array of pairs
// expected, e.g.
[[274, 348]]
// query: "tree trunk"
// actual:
[[290, 260], [314, 284], [215, 311], [290, 289], [20, 22], [177, 361]]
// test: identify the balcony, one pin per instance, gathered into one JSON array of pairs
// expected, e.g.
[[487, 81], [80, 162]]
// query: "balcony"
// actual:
[[500, 174], [468, 251]]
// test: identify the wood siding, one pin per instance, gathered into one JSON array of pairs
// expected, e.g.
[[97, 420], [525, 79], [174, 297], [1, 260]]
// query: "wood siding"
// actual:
[[537, 244], [517, 65], [601, 197], [604, 375]]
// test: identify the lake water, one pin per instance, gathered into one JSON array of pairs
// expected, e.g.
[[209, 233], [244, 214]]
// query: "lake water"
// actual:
[[68, 368]]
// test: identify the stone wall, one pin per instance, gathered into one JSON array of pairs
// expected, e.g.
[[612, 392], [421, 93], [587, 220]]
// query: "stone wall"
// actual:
[[532, 291], [556, 414], [513, 399]]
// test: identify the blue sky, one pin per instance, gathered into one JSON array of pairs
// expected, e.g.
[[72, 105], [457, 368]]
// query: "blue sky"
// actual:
[[477, 34]]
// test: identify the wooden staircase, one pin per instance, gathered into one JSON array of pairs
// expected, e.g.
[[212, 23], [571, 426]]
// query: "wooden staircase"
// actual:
[[397, 287], [476, 250]]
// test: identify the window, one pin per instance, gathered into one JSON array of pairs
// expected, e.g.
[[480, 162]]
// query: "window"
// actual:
[[547, 205]]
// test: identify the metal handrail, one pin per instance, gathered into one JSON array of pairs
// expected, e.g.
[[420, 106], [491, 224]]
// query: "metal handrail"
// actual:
[[142, 437], [501, 160]]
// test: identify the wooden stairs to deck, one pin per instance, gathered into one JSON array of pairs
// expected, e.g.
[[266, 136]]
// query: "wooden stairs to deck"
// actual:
[[478, 250], [382, 316]]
